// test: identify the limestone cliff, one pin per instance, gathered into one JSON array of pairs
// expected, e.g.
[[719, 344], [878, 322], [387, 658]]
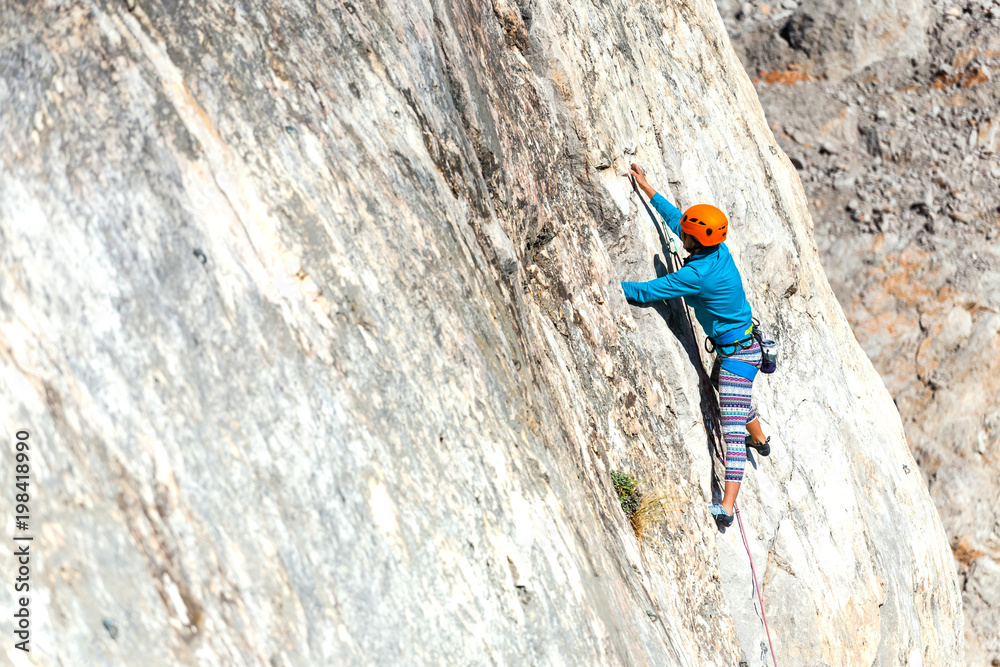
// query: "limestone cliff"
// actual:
[[312, 311]]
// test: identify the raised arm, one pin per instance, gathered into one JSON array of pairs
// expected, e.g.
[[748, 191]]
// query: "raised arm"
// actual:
[[684, 282], [670, 213]]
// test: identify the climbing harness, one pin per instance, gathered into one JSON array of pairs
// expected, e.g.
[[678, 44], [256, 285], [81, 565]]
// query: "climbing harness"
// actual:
[[725, 346], [732, 339], [712, 346], [673, 260]]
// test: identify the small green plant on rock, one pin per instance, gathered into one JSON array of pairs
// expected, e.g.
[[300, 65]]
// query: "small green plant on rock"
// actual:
[[628, 496], [643, 509]]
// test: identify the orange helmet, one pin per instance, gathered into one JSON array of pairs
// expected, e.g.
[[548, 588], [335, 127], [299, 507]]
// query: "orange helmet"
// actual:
[[706, 223]]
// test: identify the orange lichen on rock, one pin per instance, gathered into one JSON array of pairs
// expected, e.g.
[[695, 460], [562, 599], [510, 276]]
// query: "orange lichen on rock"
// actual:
[[785, 78], [965, 56], [963, 79], [976, 77], [964, 552], [893, 324], [900, 279]]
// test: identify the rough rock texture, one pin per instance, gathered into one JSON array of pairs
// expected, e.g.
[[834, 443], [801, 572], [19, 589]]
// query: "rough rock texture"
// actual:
[[900, 163], [830, 37], [312, 312]]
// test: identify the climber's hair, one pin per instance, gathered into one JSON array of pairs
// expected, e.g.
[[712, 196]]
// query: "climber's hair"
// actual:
[[694, 239]]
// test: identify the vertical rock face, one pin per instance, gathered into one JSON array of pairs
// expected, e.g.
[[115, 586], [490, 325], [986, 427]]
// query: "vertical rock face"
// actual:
[[827, 37], [312, 312], [900, 165]]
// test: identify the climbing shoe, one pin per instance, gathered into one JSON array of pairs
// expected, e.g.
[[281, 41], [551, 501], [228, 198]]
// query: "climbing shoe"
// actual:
[[722, 518], [764, 448]]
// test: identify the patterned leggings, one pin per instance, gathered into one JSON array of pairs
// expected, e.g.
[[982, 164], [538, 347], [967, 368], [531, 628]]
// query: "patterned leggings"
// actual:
[[737, 412]]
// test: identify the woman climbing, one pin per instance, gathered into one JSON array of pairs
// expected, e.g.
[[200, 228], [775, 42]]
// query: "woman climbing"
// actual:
[[710, 283]]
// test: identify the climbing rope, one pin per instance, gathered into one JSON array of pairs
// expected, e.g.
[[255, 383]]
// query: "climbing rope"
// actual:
[[753, 571], [674, 260]]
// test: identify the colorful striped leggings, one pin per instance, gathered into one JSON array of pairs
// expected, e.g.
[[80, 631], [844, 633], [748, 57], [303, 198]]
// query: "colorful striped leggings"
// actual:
[[737, 412]]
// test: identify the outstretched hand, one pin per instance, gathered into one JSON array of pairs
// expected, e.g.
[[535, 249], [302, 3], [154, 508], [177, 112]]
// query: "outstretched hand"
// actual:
[[637, 173], [640, 179]]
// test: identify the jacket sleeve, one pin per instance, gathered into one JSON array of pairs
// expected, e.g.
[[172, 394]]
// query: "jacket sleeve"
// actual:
[[684, 282], [670, 213]]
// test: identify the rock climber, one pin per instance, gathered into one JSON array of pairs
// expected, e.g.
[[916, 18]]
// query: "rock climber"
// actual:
[[710, 283]]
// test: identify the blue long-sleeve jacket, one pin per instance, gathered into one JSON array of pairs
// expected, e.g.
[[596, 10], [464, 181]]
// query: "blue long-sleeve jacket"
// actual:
[[710, 282]]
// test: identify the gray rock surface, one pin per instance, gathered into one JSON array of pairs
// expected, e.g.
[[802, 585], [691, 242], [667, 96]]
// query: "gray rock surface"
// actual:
[[827, 37], [901, 169], [312, 311]]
